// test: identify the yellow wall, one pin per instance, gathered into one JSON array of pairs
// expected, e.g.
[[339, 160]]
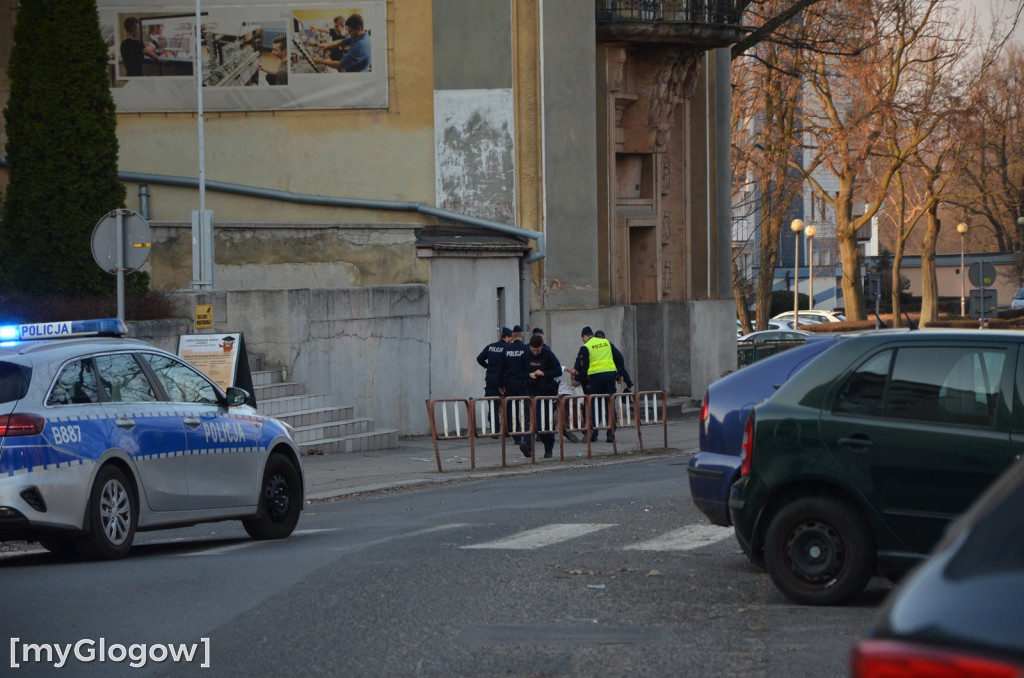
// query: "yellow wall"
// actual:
[[382, 154]]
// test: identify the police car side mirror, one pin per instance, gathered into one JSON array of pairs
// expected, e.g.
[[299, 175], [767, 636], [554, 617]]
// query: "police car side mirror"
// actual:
[[236, 396]]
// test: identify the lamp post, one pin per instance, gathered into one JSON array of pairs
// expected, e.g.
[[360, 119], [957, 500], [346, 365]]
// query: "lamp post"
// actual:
[[1020, 251], [810, 232], [797, 225], [961, 228]]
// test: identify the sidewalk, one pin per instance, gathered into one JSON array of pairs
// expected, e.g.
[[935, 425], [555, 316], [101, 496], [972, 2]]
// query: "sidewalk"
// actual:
[[413, 462]]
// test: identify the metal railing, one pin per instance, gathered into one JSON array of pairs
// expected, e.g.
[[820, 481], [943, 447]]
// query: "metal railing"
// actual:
[[748, 353], [711, 12], [525, 417]]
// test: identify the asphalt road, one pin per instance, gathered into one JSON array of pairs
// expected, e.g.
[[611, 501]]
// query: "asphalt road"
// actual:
[[607, 571]]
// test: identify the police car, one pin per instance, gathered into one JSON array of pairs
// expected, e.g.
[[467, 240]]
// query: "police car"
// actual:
[[101, 436]]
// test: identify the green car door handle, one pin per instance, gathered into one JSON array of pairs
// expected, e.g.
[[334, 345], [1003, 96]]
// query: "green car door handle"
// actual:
[[857, 441]]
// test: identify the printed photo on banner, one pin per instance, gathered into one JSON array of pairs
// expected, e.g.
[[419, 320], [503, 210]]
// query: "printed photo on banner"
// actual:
[[256, 57]]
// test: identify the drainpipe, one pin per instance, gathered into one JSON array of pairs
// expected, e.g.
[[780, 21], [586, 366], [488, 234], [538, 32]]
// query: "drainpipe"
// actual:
[[329, 201], [144, 201], [363, 203]]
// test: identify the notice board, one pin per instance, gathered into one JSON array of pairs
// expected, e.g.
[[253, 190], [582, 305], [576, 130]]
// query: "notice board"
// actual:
[[221, 356]]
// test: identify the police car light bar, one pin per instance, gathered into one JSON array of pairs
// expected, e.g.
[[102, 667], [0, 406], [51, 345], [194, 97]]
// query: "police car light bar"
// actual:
[[107, 327]]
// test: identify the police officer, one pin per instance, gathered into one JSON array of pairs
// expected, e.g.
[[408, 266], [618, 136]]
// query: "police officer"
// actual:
[[595, 360], [542, 369], [513, 381], [620, 363], [492, 359]]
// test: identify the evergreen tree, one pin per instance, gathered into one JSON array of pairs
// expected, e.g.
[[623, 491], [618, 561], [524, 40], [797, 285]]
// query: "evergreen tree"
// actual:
[[61, 151]]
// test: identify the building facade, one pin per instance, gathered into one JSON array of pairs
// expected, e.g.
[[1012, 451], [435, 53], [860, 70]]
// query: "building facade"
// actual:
[[552, 163]]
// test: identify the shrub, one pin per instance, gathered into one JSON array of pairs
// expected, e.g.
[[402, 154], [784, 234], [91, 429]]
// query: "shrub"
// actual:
[[61, 151]]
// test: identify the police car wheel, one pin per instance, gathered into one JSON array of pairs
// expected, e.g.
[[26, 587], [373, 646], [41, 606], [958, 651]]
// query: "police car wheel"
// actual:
[[113, 515], [279, 501]]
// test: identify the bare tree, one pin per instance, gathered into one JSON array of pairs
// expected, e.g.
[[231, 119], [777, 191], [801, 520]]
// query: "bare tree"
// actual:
[[994, 186], [765, 142], [870, 109], [927, 115]]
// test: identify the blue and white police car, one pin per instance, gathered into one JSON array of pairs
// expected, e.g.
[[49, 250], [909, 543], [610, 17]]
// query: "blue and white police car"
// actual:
[[101, 436]]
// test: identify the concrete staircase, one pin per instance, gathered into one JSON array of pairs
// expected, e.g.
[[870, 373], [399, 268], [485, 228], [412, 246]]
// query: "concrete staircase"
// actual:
[[320, 426]]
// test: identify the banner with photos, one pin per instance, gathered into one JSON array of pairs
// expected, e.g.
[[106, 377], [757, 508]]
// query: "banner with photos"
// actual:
[[255, 56]]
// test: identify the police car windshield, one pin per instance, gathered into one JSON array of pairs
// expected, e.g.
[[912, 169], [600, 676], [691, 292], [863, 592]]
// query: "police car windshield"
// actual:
[[14, 381]]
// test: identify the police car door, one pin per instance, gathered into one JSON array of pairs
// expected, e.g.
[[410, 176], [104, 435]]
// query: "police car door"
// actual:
[[223, 445], [148, 432]]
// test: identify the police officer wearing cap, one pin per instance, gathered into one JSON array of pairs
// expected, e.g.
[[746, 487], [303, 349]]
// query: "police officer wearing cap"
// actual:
[[492, 359], [595, 360], [620, 363], [542, 369], [513, 379]]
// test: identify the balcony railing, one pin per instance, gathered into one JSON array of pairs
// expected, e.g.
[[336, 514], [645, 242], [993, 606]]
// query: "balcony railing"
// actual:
[[722, 12]]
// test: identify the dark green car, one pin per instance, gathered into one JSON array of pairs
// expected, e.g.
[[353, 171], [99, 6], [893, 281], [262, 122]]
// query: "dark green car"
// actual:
[[856, 467]]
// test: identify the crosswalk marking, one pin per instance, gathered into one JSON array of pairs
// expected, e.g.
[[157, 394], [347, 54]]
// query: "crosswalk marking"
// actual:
[[684, 539], [542, 536]]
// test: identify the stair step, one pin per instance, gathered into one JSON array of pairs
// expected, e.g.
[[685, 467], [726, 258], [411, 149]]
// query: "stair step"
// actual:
[[318, 424], [315, 416], [264, 377], [279, 389], [333, 429], [381, 439], [287, 404]]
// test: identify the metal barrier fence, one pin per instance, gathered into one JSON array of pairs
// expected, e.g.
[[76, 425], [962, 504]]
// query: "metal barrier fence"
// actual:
[[525, 416], [649, 410], [451, 425], [599, 410]]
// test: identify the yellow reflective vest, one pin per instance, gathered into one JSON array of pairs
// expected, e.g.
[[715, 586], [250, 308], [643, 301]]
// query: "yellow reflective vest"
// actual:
[[601, 359]]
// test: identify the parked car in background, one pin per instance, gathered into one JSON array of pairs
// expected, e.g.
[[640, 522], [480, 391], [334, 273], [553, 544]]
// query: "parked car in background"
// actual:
[[757, 346], [812, 315], [1017, 303], [101, 436], [788, 324], [858, 466], [766, 336], [961, 612], [714, 469]]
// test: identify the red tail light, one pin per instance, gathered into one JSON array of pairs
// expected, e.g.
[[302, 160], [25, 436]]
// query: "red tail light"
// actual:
[[21, 425], [747, 448], [893, 659], [704, 409]]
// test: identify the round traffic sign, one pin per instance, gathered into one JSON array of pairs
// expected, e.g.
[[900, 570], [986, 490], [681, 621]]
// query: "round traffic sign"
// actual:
[[981, 274], [136, 241]]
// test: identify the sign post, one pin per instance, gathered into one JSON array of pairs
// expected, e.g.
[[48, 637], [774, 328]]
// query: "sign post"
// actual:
[[982, 274], [121, 242]]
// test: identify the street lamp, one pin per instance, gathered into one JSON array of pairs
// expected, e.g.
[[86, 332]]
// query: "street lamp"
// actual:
[[961, 228], [810, 232], [797, 225], [1020, 251]]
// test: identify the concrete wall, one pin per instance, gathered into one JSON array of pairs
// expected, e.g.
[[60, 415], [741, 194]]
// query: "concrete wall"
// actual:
[[685, 345], [474, 121], [465, 317], [367, 346], [275, 255], [568, 52]]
